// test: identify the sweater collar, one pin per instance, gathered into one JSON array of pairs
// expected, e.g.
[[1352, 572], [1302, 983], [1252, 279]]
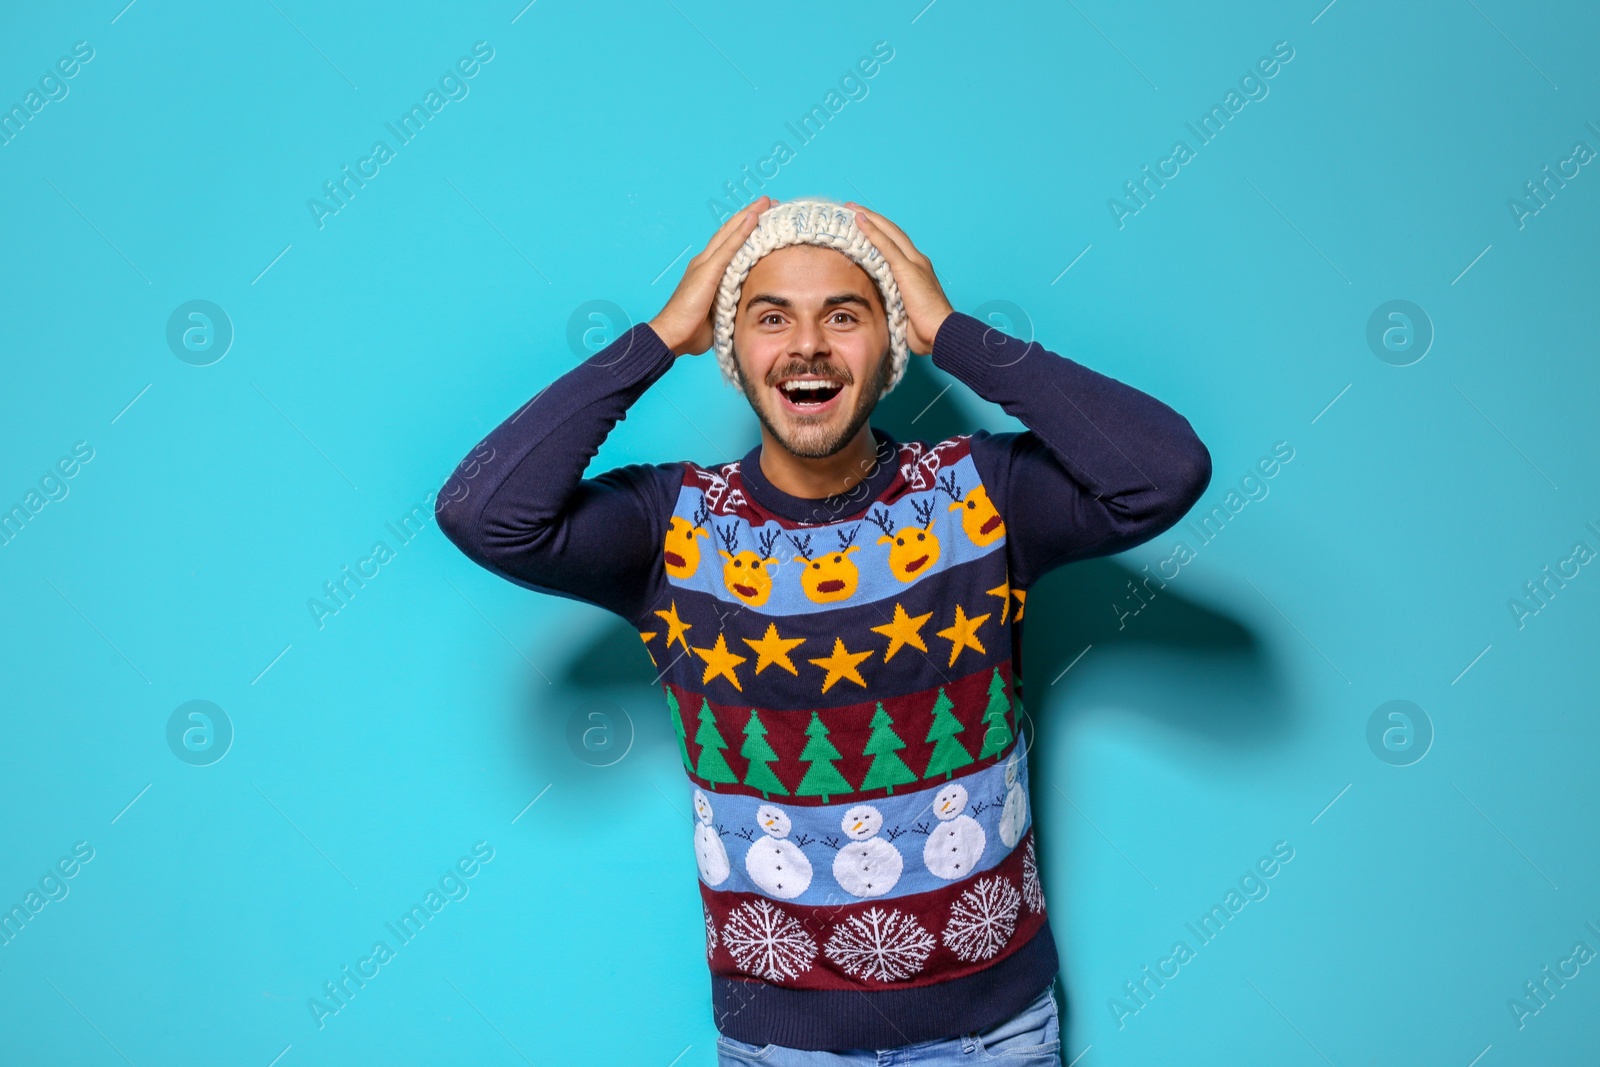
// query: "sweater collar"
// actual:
[[820, 510]]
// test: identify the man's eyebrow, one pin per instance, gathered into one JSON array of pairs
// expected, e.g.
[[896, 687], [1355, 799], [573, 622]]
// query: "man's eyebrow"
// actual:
[[784, 302]]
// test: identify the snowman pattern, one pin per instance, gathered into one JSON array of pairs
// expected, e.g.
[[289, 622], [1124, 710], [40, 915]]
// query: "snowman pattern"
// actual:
[[956, 844], [868, 866], [775, 864], [1015, 812], [709, 852]]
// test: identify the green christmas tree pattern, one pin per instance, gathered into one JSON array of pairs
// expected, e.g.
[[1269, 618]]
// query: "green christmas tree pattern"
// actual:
[[822, 777], [888, 769], [998, 734], [759, 752], [677, 728], [948, 752], [713, 765]]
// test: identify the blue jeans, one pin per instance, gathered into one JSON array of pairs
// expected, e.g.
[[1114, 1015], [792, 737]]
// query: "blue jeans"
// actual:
[[1032, 1038]]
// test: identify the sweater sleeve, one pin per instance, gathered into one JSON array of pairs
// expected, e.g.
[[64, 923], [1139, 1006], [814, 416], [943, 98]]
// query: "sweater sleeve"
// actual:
[[519, 505], [1102, 467]]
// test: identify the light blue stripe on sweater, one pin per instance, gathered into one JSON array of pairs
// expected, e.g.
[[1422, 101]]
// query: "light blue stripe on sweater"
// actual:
[[869, 558], [817, 834]]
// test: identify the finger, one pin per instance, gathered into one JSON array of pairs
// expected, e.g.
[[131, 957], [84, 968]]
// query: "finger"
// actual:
[[735, 222], [894, 232], [885, 244], [715, 262]]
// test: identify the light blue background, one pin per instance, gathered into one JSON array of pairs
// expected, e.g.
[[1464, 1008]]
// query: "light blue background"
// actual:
[[432, 711]]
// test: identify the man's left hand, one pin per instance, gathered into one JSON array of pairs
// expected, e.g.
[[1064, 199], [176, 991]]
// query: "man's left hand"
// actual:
[[926, 305]]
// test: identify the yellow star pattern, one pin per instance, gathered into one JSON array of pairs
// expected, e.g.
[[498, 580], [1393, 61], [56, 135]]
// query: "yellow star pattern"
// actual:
[[646, 638], [963, 633], [1021, 595], [1003, 591], [841, 664], [902, 630], [676, 627], [772, 649], [719, 661]]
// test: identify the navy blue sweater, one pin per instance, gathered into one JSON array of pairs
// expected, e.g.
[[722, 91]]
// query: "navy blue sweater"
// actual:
[[843, 674]]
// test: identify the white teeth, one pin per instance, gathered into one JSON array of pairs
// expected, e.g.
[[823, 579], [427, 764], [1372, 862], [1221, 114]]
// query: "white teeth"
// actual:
[[812, 385]]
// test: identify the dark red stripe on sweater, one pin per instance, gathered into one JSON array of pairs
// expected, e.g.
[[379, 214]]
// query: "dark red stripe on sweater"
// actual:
[[981, 704], [900, 943]]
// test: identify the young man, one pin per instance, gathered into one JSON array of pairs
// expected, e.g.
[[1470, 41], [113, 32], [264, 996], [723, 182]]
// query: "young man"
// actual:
[[836, 622]]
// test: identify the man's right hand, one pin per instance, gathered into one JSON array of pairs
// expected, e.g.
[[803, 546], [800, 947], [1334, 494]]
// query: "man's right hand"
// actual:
[[686, 323]]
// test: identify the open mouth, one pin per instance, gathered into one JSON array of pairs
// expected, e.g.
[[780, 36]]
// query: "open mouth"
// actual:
[[810, 394], [832, 585], [914, 564], [672, 558], [990, 523], [744, 590]]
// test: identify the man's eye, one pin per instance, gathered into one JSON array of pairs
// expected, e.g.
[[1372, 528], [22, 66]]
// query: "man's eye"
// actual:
[[848, 317]]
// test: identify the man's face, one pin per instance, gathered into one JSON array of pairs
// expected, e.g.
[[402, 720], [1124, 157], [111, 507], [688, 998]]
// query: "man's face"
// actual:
[[808, 313]]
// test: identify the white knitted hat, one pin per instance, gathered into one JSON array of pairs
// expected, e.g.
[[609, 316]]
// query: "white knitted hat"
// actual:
[[817, 221]]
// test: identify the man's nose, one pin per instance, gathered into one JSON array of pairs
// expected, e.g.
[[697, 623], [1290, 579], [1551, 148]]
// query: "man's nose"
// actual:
[[809, 339]]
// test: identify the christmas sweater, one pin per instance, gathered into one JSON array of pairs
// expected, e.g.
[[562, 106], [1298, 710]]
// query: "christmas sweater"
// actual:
[[843, 674]]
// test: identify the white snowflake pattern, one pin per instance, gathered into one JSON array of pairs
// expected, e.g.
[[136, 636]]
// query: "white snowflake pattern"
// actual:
[[767, 941], [711, 932], [919, 469], [1032, 891], [981, 921], [885, 944], [721, 496]]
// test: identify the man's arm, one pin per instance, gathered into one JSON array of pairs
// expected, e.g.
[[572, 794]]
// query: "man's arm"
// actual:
[[519, 505], [1102, 466]]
